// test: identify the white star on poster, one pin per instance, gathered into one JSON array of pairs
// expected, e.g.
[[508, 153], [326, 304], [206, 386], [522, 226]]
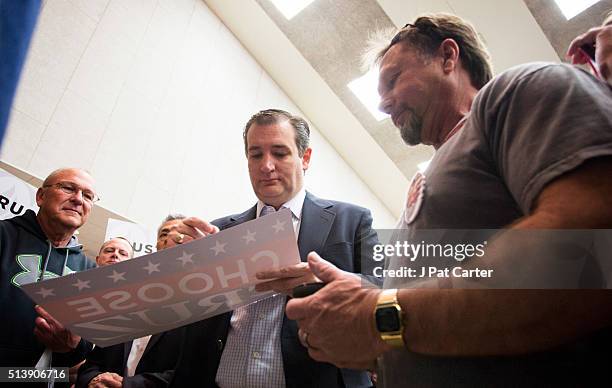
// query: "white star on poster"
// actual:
[[151, 267], [45, 292], [185, 258], [80, 284], [219, 248], [278, 226], [116, 276], [249, 237]]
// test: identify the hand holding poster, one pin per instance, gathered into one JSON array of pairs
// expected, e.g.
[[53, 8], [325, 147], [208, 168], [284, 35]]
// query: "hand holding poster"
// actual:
[[170, 288]]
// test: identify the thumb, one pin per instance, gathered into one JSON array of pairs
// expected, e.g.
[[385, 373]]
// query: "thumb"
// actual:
[[323, 269]]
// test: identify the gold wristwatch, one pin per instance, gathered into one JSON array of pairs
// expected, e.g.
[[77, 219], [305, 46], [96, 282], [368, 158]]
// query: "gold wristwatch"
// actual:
[[388, 318]]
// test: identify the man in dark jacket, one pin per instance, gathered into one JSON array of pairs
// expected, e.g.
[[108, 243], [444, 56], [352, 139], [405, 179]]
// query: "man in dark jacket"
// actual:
[[256, 345], [40, 246]]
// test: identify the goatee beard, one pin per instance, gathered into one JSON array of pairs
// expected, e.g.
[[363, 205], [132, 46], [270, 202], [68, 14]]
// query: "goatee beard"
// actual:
[[411, 130]]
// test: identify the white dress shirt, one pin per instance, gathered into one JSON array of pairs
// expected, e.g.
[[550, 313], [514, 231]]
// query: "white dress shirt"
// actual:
[[252, 356], [138, 347]]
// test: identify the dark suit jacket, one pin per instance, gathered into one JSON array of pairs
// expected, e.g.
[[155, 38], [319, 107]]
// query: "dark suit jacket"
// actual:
[[339, 232], [155, 368]]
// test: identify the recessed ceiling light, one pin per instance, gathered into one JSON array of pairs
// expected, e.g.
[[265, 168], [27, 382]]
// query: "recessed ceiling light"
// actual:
[[365, 88], [290, 8], [571, 8]]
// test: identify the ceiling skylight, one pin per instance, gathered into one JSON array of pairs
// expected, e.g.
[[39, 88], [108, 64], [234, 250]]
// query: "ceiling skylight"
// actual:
[[365, 88], [290, 8], [571, 8]]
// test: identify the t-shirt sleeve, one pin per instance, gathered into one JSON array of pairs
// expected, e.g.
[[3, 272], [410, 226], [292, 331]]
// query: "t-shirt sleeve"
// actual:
[[542, 121]]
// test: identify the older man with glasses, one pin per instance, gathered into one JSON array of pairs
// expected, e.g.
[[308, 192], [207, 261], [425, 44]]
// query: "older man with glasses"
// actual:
[[40, 246]]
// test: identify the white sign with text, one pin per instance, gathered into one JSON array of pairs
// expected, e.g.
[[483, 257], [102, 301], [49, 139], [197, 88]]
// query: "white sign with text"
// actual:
[[16, 196], [170, 288]]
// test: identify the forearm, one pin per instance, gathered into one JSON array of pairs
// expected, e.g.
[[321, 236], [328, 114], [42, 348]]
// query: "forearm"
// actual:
[[514, 314], [499, 322]]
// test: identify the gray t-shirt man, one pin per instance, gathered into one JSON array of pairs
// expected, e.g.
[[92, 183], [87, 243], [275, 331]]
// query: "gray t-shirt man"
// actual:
[[528, 126]]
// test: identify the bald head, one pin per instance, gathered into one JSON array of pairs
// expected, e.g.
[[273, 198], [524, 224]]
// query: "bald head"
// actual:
[[114, 250], [51, 178]]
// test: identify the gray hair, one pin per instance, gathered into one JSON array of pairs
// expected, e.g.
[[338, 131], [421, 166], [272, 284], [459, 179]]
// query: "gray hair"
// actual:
[[273, 116], [171, 217]]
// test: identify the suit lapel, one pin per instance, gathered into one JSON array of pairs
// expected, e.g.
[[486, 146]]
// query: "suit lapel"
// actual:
[[317, 220], [127, 347], [152, 341]]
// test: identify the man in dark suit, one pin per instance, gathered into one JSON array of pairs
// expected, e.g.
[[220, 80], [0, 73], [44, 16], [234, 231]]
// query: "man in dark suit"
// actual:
[[256, 345], [145, 362]]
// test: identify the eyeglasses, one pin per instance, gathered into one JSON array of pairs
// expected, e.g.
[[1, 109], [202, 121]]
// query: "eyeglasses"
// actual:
[[71, 189]]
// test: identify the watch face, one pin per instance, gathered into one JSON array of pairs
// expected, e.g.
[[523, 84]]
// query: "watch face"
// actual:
[[387, 319]]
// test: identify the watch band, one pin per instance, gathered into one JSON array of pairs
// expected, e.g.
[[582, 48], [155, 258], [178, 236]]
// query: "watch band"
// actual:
[[388, 299]]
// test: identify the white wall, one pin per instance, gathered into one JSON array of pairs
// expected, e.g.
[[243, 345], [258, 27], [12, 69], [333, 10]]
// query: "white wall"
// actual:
[[151, 97]]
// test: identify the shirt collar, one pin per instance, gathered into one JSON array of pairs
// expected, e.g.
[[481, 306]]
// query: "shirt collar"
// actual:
[[295, 204]]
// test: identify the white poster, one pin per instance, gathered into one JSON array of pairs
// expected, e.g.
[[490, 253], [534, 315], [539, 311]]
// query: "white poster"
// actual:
[[170, 288], [16, 196]]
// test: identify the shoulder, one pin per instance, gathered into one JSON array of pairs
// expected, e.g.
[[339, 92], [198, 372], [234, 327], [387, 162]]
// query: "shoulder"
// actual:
[[540, 78], [223, 221], [324, 202], [77, 261], [5, 225], [235, 219], [349, 207], [339, 207], [8, 229], [546, 70], [10, 222]]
